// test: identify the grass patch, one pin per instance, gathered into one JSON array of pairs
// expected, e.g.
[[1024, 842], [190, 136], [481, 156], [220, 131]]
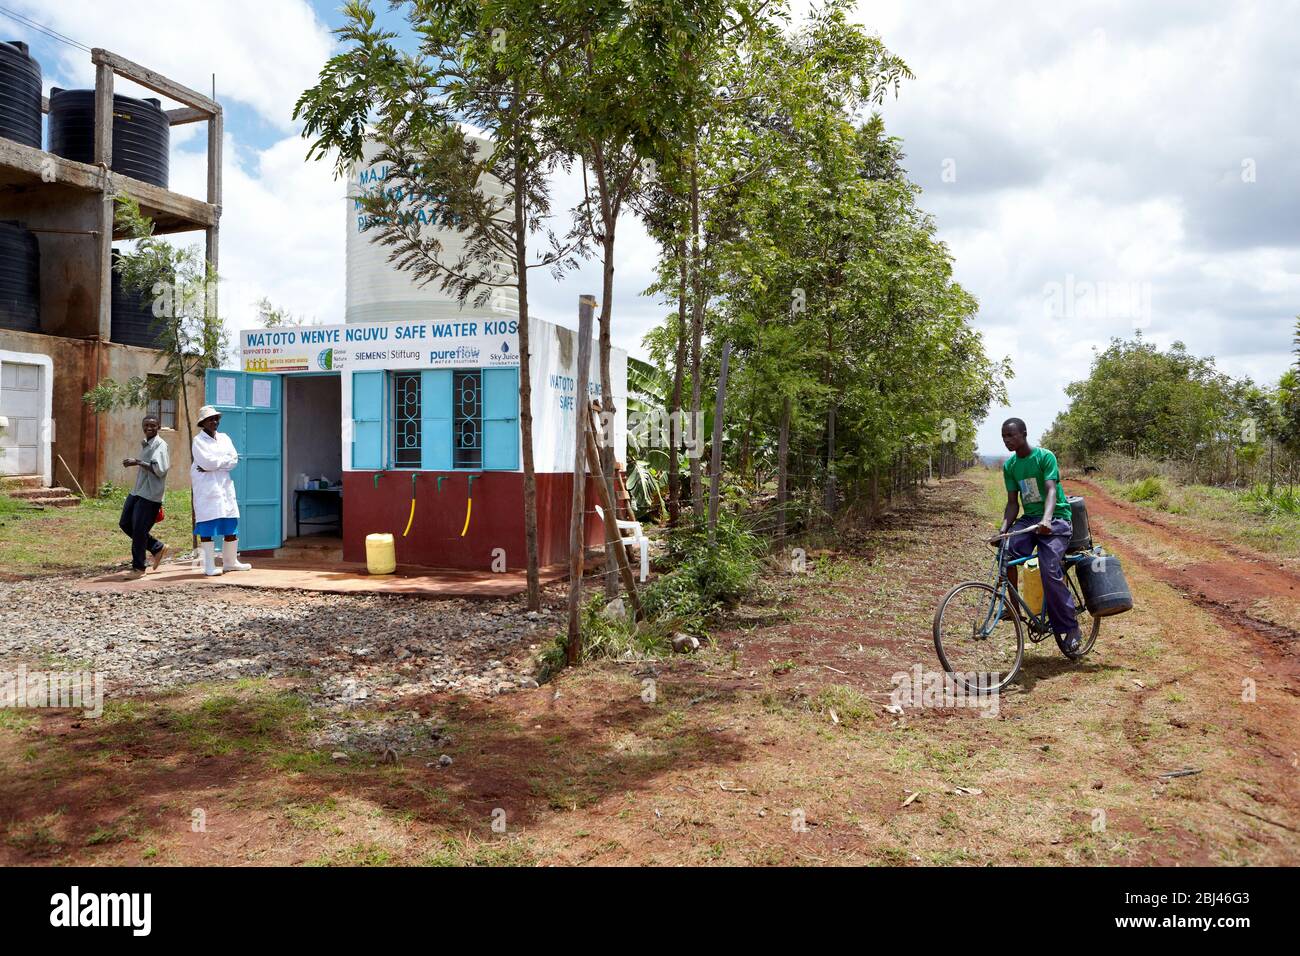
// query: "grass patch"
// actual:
[[359, 854], [15, 720], [82, 538], [850, 705], [507, 852], [312, 816]]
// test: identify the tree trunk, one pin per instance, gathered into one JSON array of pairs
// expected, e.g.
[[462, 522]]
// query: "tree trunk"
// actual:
[[675, 405], [829, 500], [526, 384], [697, 336], [715, 467], [578, 511], [607, 405], [782, 467]]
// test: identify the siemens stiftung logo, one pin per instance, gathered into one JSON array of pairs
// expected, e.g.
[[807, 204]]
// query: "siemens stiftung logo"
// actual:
[[102, 909]]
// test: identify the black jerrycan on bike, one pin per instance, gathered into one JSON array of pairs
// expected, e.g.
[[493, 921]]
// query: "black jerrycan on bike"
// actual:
[[1101, 577], [1081, 536], [1105, 589]]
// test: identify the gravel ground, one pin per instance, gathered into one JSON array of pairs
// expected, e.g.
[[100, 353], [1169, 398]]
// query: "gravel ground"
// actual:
[[355, 650]]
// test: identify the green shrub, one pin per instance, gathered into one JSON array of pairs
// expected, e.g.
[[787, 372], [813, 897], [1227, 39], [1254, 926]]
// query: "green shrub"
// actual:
[[604, 637], [704, 577], [1281, 502], [1150, 489]]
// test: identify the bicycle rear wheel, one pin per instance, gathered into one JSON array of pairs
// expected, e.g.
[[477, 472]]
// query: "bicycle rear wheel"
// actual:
[[1089, 626], [979, 653]]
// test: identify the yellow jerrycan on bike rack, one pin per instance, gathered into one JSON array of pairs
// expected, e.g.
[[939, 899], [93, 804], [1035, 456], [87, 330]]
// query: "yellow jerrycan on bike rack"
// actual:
[[1031, 585]]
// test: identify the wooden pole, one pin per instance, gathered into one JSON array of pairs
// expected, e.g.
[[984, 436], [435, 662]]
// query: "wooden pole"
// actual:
[[783, 467], [103, 154], [611, 523], [829, 501], [577, 522], [715, 461]]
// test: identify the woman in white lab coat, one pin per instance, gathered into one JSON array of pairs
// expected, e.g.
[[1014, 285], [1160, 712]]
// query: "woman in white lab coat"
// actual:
[[216, 512]]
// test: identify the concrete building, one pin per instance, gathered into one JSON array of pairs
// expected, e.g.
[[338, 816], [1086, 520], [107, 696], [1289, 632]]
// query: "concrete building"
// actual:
[[45, 428], [406, 419]]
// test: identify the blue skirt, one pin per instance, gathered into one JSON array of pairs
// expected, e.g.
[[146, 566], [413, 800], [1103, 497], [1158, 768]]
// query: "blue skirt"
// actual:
[[216, 527]]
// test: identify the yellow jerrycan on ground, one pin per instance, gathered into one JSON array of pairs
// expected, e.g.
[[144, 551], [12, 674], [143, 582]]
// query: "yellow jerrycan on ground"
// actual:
[[381, 556], [1031, 585]]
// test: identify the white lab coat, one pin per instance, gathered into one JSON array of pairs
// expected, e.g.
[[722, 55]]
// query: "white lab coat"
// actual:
[[214, 492]]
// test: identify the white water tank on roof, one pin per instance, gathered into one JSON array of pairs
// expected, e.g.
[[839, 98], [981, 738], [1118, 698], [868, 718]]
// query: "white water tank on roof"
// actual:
[[377, 291]]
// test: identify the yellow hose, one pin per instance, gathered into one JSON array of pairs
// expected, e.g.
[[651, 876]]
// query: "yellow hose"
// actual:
[[410, 519], [469, 506]]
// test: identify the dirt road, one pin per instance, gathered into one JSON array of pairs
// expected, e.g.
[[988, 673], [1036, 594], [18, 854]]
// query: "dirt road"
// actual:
[[1247, 591]]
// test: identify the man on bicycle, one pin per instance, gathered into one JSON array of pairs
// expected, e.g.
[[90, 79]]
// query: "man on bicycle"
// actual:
[[1034, 480]]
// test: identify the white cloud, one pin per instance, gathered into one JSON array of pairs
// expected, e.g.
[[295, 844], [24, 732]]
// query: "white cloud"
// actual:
[[1097, 142], [1105, 142], [263, 52], [282, 230]]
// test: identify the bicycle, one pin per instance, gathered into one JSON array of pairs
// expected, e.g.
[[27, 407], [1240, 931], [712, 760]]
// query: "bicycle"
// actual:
[[977, 627]]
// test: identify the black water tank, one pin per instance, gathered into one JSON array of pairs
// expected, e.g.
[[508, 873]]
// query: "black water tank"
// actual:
[[20, 279], [141, 134], [1105, 589], [1080, 534], [133, 321], [20, 95]]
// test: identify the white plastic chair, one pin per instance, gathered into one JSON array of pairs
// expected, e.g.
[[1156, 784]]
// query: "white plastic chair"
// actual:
[[630, 533]]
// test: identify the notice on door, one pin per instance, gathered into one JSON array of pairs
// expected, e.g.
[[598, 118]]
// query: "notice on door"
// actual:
[[261, 393], [225, 390]]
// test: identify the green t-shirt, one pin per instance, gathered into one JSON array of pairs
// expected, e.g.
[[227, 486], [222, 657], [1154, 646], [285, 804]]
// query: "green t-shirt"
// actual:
[[1029, 476]]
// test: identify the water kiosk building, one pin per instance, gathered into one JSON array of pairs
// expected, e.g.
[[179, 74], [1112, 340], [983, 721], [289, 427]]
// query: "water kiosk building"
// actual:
[[412, 399]]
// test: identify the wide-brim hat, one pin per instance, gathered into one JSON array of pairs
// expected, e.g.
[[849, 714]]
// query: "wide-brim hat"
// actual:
[[206, 412]]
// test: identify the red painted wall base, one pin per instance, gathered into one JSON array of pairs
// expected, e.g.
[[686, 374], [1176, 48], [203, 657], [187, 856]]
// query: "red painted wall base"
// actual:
[[376, 505]]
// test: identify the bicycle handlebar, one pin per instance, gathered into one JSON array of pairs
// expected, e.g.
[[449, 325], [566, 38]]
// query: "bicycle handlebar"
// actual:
[[1011, 534]]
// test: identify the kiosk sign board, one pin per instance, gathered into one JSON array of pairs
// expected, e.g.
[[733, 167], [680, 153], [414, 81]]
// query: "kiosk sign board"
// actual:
[[465, 342]]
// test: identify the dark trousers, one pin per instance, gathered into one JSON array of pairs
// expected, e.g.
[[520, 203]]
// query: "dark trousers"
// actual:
[[1051, 549], [138, 518]]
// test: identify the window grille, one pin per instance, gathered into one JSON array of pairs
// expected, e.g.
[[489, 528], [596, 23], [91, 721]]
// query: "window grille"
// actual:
[[407, 444], [467, 419]]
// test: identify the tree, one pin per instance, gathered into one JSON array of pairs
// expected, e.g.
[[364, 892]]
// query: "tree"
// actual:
[[182, 286], [476, 63], [270, 316]]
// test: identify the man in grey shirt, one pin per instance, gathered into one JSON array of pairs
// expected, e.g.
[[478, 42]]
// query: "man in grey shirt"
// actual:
[[140, 511]]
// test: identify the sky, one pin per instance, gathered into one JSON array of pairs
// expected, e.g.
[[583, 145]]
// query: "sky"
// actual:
[[1096, 169]]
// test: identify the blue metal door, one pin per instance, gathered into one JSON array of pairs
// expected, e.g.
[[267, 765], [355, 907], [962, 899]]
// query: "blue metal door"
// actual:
[[250, 406]]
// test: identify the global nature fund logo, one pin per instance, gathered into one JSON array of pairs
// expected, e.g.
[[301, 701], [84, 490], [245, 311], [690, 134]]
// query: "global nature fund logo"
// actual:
[[75, 909], [325, 360]]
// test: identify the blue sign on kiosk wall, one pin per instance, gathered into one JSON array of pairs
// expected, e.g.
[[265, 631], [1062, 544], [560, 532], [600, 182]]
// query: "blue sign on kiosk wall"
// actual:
[[250, 406]]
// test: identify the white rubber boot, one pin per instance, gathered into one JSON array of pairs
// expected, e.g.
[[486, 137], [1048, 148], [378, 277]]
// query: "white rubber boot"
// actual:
[[230, 557], [209, 549]]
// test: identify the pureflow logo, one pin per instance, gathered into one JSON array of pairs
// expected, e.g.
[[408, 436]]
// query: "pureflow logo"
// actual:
[[103, 909]]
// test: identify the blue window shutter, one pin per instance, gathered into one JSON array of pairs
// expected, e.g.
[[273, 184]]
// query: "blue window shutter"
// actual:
[[501, 419], [435, 419], [368, 420]]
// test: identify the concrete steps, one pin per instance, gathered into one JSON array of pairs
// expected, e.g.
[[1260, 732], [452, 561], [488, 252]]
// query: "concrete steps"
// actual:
[[312, 549], [31, 489]]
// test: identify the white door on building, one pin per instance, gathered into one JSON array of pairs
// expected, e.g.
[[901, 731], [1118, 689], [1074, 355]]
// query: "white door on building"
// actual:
[[22, 403]]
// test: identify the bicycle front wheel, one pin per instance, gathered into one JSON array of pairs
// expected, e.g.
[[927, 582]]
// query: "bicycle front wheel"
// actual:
[[979, 649]]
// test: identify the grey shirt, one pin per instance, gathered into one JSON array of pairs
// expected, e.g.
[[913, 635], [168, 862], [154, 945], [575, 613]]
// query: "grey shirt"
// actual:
[[151, 473]]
